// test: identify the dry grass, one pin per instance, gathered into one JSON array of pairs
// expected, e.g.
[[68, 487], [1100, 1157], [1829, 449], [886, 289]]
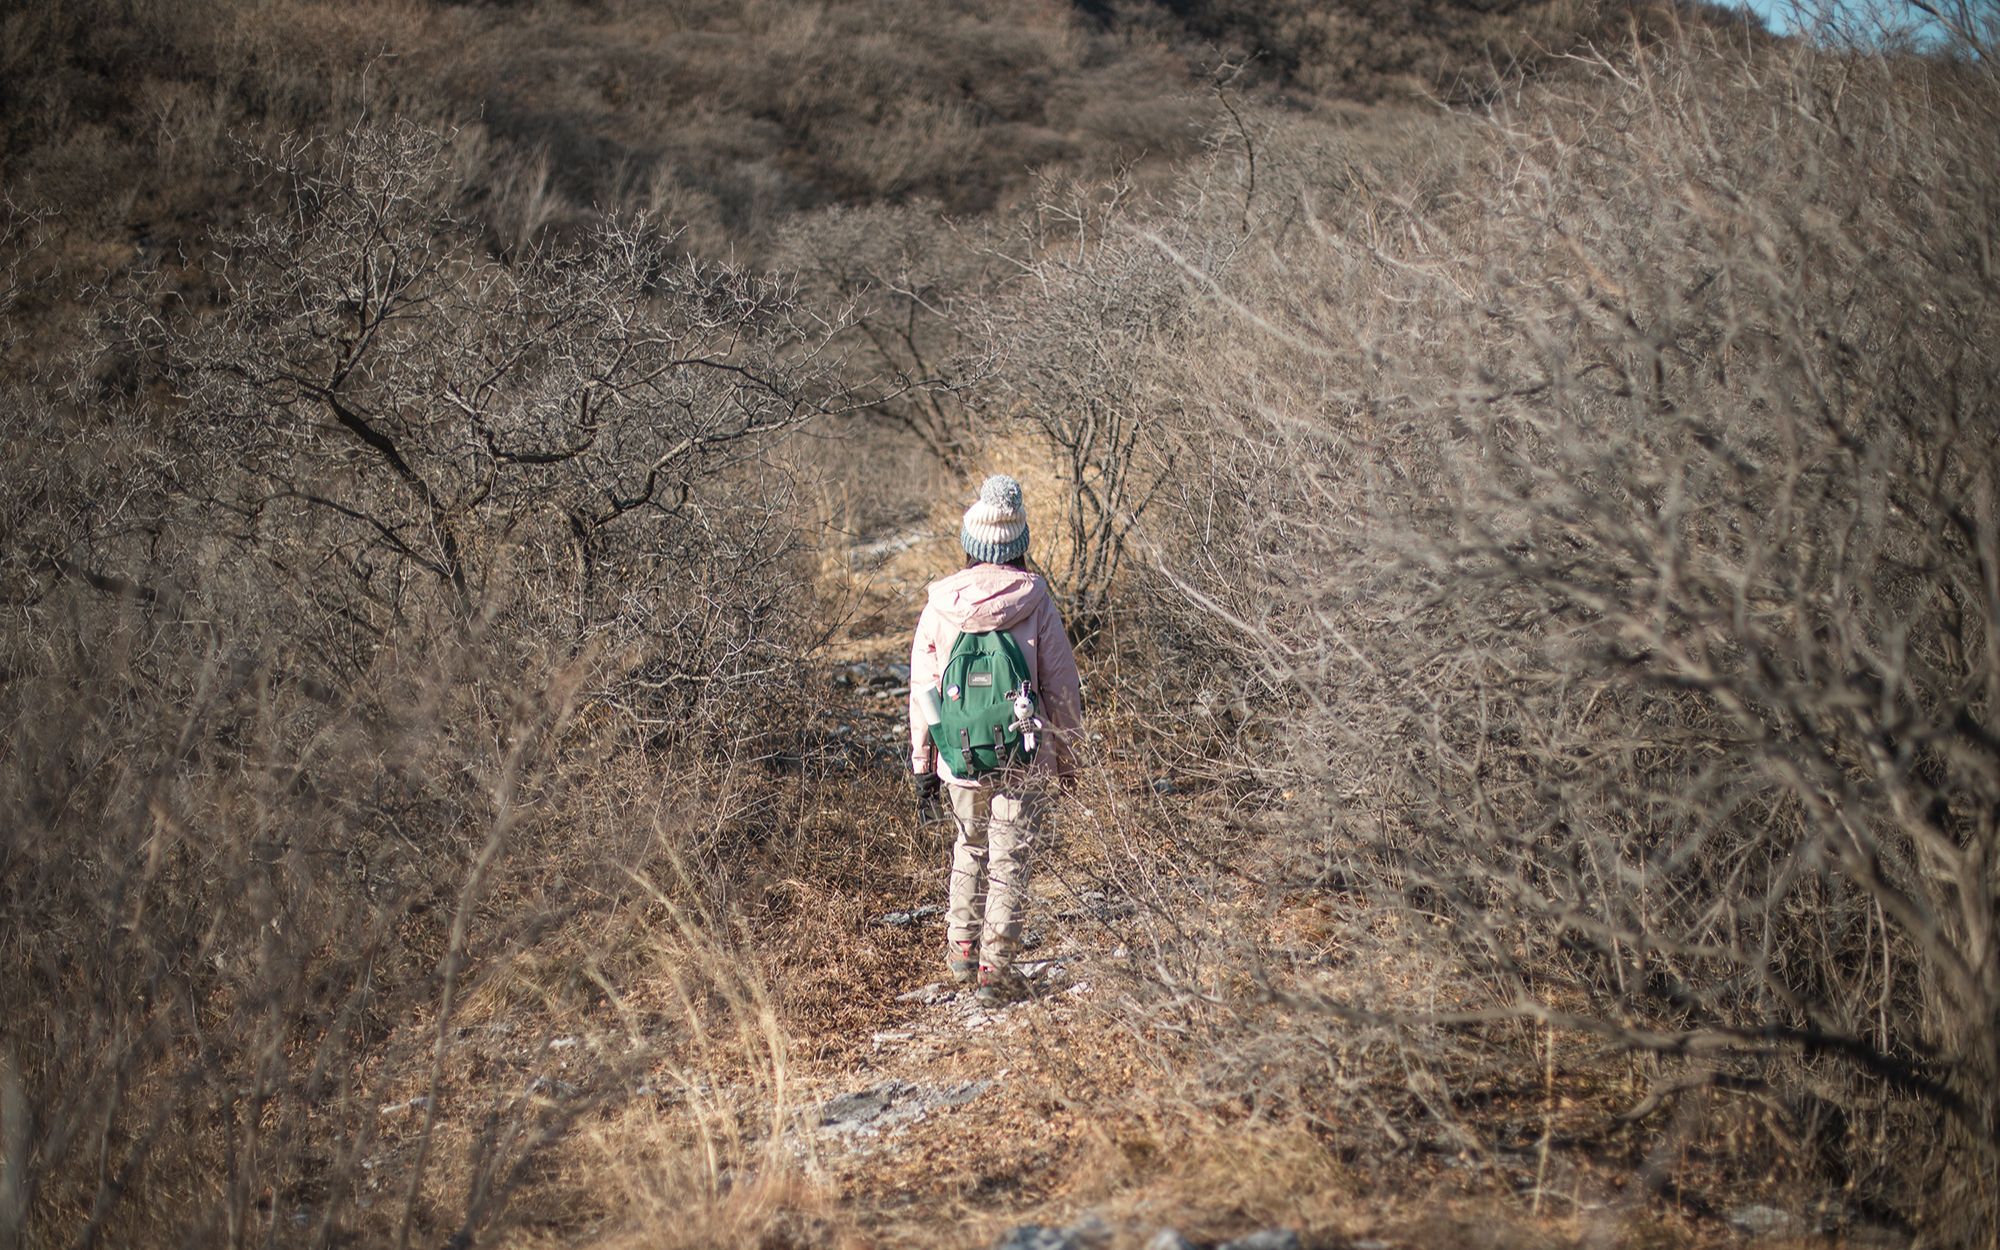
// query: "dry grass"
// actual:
[[1541, 465], [1476, 515]]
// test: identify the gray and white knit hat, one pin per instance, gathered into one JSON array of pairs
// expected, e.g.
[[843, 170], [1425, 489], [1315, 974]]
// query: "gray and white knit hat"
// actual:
[[996, 525]]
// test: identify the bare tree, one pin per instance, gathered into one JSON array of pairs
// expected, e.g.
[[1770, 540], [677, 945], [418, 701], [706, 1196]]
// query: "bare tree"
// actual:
[[1084, 342], [1620, 546], [411, 428], [326, 567], [910, 279]]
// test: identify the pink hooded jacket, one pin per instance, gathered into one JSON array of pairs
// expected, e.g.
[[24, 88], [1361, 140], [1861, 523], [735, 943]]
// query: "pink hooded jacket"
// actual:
[[998, 596]]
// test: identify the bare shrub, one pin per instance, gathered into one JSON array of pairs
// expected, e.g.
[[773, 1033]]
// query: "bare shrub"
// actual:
[[1079, 339], [1607, 527], [307, 970], [21, 236], [414, 429], [1371, 49], [911, 280], [392, 621]]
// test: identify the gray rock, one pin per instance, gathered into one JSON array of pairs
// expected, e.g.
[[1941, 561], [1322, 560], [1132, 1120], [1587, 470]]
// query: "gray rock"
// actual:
[[1762, 1221], [1370, 1243], [858, 1108], [1037, 1237], [1267, 1239], [1169, 1239], [887, 1107], [1089, 1232], [876, 554], [419, 1103], [960, 1094], [904, 919]]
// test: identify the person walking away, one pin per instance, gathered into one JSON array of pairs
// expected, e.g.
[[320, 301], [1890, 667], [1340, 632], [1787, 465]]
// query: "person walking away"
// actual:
[[994, 702]]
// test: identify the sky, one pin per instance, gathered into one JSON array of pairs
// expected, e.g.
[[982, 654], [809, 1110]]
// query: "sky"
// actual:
[[1765, 9], [1775, 13], [1783, 15]]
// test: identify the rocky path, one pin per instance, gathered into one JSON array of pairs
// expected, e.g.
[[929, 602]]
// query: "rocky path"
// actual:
[[937, 1104]]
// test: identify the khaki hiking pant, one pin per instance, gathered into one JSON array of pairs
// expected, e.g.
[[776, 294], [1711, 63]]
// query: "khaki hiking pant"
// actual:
[[989, 868]]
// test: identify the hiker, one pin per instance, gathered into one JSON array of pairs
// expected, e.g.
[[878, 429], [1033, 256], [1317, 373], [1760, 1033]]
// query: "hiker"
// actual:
[[994, 696]]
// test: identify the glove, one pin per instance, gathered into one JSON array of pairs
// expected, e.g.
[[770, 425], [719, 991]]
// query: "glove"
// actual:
[[930, 797]]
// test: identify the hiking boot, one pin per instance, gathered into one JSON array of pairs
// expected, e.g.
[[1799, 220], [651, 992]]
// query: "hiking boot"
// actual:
[[999, 986], [961, 959]]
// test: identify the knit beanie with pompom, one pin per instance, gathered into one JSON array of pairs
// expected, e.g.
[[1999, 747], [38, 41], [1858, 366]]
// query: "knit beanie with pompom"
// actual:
[[996, 525]]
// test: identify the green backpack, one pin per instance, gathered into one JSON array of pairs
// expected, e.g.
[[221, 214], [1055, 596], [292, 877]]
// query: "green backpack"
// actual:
[[980, 728]]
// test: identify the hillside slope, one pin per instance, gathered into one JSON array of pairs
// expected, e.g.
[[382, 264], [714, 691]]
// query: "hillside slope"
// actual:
[[1526, 521]]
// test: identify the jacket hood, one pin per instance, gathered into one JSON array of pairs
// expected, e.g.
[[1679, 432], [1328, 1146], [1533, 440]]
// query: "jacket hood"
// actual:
[[987, 596]]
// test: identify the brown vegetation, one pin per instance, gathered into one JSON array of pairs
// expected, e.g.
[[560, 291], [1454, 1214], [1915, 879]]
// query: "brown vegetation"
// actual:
[[1538, 561], [1613, 549]]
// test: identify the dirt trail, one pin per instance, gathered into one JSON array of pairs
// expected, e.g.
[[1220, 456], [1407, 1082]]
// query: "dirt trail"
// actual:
[[904, 1108], [919, 1103]]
